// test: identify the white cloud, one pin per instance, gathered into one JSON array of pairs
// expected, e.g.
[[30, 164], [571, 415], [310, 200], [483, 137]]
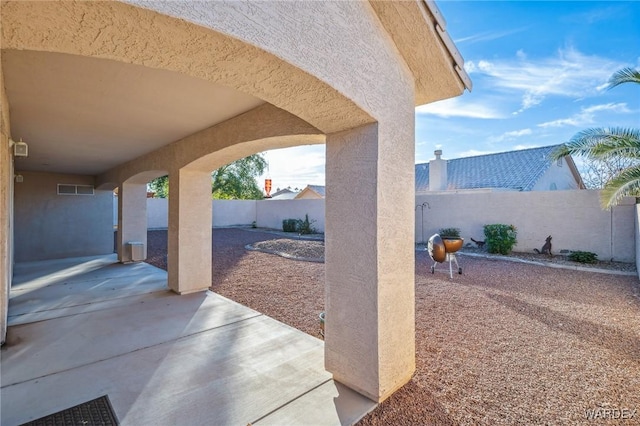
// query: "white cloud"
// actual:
[[459, 107], [524, 146], [511, 135], [489, 35], [474, 153], [296, 167], [570, 73], [586, 116]]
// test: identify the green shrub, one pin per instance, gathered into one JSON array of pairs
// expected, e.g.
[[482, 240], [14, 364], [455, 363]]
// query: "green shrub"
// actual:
[[305, 226], [583, 257], [290, 225], [449, 232], [298, 225], [500, 238]]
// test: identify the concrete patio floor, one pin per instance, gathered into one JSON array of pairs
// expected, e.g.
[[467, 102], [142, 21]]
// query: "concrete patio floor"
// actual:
[[86, 327]]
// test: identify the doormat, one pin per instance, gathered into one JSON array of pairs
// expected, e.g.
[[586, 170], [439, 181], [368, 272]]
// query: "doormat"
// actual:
[[97, 412]]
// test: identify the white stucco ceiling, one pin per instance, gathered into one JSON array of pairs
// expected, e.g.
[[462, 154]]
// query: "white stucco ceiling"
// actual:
[[84, 116]]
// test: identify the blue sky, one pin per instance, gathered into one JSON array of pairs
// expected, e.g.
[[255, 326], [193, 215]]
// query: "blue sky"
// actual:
[[539, 71]]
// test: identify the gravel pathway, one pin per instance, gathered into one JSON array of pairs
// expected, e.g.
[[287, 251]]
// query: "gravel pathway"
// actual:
[[504, 343]]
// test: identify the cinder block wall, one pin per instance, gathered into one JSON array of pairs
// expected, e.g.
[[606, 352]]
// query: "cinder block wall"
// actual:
[[574, 219], [266, 213], [272, 212]]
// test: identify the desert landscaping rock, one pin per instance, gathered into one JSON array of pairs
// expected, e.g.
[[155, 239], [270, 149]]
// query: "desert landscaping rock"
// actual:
[[504, 343], [310, 251]]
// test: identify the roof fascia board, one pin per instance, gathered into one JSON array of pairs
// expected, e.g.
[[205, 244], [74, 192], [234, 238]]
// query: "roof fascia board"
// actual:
[[575, 171], [441, 26]]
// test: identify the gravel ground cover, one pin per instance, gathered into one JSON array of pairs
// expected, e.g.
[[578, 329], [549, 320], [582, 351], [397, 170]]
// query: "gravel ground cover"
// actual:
[[504, 343]]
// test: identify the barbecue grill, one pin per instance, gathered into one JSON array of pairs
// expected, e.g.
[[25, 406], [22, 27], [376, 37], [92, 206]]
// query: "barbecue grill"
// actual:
[[444, 249]]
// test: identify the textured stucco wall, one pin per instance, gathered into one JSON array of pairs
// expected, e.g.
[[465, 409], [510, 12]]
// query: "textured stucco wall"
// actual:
[[189, 238], [369, 268], [265, 127], [6, 209], [354, 33], [574, 219], [52, 226], [114, 30], [132, 219]]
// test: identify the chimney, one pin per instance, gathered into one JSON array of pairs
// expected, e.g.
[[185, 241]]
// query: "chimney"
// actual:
[[438, 172]]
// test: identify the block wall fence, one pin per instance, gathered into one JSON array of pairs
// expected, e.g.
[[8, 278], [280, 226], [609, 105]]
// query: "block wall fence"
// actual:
[[574, 219]]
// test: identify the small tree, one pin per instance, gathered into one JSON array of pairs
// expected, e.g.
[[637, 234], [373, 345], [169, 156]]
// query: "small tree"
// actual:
[[235, 181], [160, 187]]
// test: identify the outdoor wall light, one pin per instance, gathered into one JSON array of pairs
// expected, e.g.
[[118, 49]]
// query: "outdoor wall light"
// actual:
[[20, 149], [19, 178]]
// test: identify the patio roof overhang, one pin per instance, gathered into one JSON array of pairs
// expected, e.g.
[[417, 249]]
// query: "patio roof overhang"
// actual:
[[418, 29], [87, 115]]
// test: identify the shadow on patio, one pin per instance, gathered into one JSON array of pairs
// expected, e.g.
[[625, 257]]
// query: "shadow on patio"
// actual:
[[86, 327]]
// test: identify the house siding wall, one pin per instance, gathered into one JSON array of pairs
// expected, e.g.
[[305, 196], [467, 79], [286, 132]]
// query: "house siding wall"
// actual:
[[52, 226], [561, 176]]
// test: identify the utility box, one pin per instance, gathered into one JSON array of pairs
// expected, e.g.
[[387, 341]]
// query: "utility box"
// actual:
[[135, 251]]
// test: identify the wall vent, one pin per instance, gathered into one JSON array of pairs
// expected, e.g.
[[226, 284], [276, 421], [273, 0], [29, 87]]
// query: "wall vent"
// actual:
[[71, 189]]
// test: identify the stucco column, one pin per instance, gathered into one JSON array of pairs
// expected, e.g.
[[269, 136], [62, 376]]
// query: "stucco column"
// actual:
[[132, 218], [370, 312], [190, 221], [6, 210]]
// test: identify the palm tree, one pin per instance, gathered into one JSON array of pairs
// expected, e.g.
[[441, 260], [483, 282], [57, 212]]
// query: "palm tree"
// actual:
[[608, 143]]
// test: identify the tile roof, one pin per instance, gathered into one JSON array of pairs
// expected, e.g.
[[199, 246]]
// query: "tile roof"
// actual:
[[317, 188], [281, 195], [516, 170]]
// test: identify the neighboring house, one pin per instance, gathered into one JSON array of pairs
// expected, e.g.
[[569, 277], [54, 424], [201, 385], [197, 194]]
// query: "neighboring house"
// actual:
[[311, 192], [283, 194], [522, 170]]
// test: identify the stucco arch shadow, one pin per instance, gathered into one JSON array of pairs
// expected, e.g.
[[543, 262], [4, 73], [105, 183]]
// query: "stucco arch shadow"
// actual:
[[130, 34]]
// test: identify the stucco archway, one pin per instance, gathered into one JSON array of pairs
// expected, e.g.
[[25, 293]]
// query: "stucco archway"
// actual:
[[142, 36], [353, 75]]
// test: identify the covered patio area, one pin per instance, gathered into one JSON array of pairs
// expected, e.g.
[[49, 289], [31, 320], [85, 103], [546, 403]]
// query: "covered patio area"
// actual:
[[86, 327]]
